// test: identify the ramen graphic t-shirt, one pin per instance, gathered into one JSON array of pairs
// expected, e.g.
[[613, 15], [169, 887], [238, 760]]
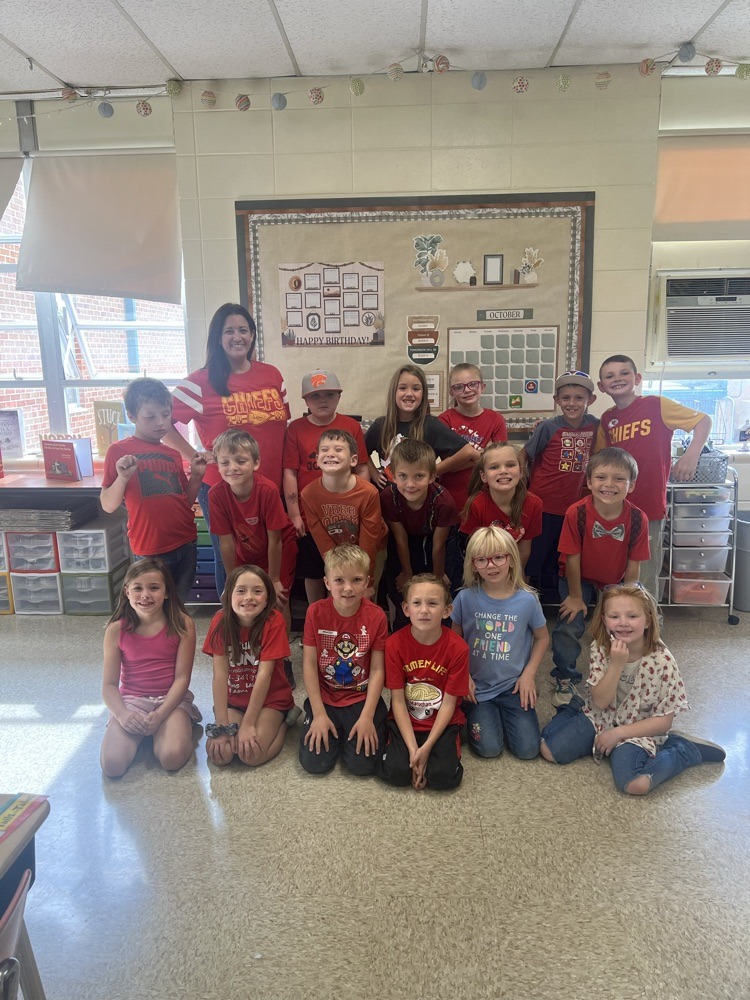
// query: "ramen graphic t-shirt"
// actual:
[[427, 673]]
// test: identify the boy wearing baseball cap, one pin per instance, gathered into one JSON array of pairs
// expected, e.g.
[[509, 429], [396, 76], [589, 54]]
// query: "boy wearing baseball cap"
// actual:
[[558, 453], [321, 391]]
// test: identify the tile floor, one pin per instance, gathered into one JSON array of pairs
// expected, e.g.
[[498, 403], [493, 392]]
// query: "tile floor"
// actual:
[[530, 882]]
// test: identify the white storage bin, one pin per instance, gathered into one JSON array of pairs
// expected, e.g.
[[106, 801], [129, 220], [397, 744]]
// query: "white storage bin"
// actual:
[[98, 547], [695, 560], [704, 539], [706, 589], [37, 593], [705, 494], [32, 551], [702, 523], [6, 598], [3, 554], [703, 510], [92, 593]]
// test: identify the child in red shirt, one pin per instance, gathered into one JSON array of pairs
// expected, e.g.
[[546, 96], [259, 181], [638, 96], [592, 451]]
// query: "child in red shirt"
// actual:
[[321, 392], [149, 477], [498, 495], [603, 541], [427, 672], [342, 665], [476, 424]]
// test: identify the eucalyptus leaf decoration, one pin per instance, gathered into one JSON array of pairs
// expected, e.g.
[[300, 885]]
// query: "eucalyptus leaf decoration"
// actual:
[[426, 247]]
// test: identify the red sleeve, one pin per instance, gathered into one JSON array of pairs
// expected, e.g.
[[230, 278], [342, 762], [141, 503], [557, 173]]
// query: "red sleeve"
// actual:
[[378, 626], [570, 539], [394, 673], [221, 522], [110, 472], [533, 505], [641, 550], [214, 641], [274, 644], [457, 678], [274, 515], [445, 418], [473, 520], [361, 446], [387, 507], [291, 450], [500, 430], [309, 498], [446, 510], [310, 633]]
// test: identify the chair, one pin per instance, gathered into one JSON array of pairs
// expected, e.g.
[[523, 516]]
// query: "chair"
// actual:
[[11, 923]]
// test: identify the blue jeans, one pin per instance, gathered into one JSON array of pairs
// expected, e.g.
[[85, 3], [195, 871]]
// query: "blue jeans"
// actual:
[[570, 735], [219, 574], [502, 716], [566, 636], [181, 563]]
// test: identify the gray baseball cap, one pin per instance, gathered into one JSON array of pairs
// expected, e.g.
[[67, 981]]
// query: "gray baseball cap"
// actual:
[[320, 379]]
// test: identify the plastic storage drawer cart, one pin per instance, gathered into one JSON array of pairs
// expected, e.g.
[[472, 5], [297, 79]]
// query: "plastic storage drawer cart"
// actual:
[[37, 593], [3, 554], [6, 595], [32, 552], [100, 546], [203, 590], [92, 593]]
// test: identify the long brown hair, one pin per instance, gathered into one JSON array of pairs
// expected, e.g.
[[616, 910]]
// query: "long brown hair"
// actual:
[[230, 623], [390, 423], [651, 636], [476, 486], [174, 609], [217, 363]]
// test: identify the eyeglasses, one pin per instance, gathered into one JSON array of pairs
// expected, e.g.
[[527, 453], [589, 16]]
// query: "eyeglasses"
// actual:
[[621, 586], [464, 386], [482, 562], [581, 374]]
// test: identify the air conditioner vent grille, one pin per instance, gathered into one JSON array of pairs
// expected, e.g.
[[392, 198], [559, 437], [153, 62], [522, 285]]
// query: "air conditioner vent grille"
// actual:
[[738, 286], [682, 287], [728, 336]]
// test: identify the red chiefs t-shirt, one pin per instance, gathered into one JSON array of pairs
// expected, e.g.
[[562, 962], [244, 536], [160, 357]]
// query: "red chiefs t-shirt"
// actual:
[[343, 648], [477, 431], [301, 446], [426, 673], [606, 546], [437, 511], [249, 521], [274, 645], [160, 517], [484, 512], [257, 404], [645, 430]]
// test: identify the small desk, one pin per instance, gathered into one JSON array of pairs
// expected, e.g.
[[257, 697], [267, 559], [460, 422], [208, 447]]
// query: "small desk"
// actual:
[[16, 855]]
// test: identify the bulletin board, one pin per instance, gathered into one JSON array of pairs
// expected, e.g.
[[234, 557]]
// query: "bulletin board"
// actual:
[[469, 263]]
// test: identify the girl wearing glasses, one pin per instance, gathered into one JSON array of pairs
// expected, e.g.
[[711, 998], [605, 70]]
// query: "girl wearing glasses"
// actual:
[[476, 424], [502, 621]]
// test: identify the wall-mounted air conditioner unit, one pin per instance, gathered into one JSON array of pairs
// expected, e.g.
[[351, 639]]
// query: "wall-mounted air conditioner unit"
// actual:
[[699, 324]]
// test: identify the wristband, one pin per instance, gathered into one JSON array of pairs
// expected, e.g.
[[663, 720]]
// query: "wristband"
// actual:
[[213, 730]]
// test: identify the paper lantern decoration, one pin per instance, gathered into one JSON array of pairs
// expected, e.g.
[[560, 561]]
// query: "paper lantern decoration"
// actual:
[[173, 88], [143, 108], [208, 99], [242, 103], [521, 84], [395, 72], [647, 67], [316, 95], [68, 94], [686, 52], [105, 109], [278, 102], [713, 67], [441, 64], [356, 87], [564, 81], [602, 80], [479, 81], [743, 71]]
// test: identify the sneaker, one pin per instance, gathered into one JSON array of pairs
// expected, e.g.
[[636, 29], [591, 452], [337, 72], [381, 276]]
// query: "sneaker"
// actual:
[[711, 753], [289, 673], [564, 693], [293, 715]]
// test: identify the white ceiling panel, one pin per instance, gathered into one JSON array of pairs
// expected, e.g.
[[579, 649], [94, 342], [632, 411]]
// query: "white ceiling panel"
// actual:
[[15, 75], [85, 43], [503, 34], [614, 32], [224, 39], [340, 36], [729, 35]]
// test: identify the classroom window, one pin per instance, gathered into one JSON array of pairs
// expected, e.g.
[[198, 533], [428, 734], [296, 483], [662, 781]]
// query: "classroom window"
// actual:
[[726, 401]]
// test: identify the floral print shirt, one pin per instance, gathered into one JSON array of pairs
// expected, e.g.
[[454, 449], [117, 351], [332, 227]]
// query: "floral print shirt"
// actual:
[[657, 690]]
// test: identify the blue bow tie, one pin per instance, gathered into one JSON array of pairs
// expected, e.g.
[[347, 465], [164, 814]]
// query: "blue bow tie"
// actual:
[[618, 532]]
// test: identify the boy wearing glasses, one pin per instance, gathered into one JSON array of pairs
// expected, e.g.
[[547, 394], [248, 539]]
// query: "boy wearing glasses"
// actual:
[[603, 541], [476, 424], [557, 453]]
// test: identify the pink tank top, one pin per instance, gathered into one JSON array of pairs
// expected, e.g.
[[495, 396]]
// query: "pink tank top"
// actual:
[[147, 663]]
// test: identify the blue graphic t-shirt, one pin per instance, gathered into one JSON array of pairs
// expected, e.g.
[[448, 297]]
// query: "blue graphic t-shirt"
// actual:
[[499, 634]]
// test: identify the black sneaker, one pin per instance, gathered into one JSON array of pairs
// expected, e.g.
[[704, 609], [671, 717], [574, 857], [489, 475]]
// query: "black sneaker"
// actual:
[[293, 715], [711, 753], [289, 673]]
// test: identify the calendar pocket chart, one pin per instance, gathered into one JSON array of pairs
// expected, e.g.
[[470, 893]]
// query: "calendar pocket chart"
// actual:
[[518, 364]]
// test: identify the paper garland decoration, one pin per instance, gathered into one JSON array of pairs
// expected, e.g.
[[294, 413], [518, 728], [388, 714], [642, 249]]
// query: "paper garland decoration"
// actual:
[[316, 95], [647, 67], [143, 108], [564, 81], [105, 109], [278, 102], [713, 67], [68, 94], [208, 99], [743, 71], [602, 80], [686, 52], [395, 72], [356, 87], [479, 81], [521, 84], [173, 88], [242, 102], [441, 64]]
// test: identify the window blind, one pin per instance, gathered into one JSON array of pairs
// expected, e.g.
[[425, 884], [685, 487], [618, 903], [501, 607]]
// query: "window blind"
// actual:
[[10, 171]]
